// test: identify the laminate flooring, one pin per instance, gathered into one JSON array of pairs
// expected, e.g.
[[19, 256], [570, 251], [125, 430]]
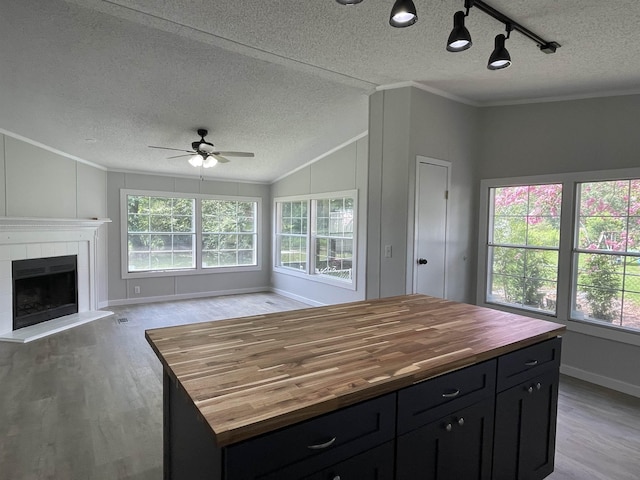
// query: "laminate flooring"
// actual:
[[87, 403]]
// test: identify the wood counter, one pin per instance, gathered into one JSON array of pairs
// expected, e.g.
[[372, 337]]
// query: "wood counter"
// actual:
[[252, 375]]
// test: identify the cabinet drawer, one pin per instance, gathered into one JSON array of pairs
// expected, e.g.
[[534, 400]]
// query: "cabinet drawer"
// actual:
[[521, 365], [426, 401], [374, 464], [320, 442]]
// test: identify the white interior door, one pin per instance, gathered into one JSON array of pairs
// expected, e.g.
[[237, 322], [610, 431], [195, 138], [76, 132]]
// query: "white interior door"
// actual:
[[431, 228]]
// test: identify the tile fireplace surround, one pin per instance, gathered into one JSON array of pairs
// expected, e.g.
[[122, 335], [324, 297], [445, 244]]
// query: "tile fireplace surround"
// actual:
[[26, 238]]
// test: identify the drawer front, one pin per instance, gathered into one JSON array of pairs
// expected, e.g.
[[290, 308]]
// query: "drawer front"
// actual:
[[429, 400], [521, 365], [374, 464], [319, 442]]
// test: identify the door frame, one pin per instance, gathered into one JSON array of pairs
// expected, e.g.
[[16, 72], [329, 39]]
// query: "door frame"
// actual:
[[414, 271]]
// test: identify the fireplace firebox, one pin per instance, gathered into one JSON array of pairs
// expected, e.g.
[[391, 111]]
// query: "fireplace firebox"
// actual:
[[43, 289]]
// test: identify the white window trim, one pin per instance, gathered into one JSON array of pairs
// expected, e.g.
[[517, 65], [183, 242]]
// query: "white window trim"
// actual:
[[309, 273], [198, 270], [567, 228]]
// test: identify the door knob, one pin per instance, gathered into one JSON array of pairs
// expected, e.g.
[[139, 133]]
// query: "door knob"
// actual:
[[422, 261]]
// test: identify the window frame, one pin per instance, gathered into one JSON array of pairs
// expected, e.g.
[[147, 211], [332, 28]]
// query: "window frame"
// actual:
[[199, 269], [309, 272], [566, 280], [491, 244]]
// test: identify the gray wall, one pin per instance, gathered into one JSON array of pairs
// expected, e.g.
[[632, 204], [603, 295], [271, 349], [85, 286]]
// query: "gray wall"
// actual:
[[35, 182], [344, 169], [561, 137], [122, 291], [403, 124]]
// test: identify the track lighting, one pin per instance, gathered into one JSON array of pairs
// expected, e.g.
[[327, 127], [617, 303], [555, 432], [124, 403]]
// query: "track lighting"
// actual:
[[459, 38], [500, 57], [403, 14]]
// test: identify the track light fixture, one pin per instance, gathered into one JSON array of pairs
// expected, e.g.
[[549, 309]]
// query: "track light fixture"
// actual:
[[460, 38], [500, 57], [403, 14]]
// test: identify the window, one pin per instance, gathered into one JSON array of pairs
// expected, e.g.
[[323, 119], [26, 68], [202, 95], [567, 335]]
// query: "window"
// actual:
[[523, 246], [315, 237], [160, 233], [291, 234], [581, 264], [334, 237], [228, 233], [606, 253], [170, 234]]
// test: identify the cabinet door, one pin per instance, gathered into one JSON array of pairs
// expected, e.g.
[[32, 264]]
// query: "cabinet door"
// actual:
[[455, 447], [375, 464], [525, 429]]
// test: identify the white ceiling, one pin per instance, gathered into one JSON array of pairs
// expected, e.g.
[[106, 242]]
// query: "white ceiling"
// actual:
[[288, 79]]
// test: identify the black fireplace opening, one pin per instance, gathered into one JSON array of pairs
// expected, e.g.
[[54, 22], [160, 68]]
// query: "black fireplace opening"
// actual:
[[43, 289]]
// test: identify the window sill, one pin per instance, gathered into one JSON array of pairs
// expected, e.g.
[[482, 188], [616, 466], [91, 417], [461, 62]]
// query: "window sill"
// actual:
[[584, 327], [316, 278], [191, 271]]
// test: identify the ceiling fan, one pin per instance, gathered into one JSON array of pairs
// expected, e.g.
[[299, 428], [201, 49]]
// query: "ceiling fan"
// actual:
[[204, 154]]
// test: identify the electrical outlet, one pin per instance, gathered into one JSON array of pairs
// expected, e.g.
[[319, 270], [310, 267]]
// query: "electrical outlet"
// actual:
[[387, 251], [136, 289]]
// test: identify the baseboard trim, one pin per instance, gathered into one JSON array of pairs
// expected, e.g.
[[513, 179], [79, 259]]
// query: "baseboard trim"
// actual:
[[601, 380], [299, 298], [184, 296]]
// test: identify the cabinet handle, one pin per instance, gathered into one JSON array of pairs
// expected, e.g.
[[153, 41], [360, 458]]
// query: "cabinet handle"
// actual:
[[531, 363], [461, 421], [455, 393], [448, 427], [538, 386], [337, 477], [320, 446], [530, 389]]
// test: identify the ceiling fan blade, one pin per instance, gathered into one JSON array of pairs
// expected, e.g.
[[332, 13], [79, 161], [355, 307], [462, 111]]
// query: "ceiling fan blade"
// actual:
[[236, 154], [175, 149], [179, 156], [219, 158]]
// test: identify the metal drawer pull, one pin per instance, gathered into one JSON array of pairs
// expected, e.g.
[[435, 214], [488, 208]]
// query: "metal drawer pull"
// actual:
[[538, 386], [451, 394], [532, 363], [530, 389], [461, 421], [320, 446], [448, 427], [337, 477]]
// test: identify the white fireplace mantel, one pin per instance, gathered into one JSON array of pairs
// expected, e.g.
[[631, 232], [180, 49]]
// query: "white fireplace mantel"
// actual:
[[27, 238]]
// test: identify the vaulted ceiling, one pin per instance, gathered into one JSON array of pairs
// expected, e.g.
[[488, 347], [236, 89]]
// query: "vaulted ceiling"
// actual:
[[288, 79]]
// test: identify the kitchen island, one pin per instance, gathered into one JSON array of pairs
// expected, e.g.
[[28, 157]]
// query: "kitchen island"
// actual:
[[397, 387]]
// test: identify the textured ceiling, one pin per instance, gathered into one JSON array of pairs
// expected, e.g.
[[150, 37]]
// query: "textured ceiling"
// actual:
[[288, 80]]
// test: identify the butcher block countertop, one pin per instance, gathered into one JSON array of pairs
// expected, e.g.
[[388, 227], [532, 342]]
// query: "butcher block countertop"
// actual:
[[252, 375]]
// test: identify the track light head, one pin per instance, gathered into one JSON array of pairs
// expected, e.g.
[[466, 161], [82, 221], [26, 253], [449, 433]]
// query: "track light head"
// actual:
[[403, 14], [500, 57], [348, 2], [460, 38]]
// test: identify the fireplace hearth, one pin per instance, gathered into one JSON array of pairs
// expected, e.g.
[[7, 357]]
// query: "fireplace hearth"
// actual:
[[44, 289]]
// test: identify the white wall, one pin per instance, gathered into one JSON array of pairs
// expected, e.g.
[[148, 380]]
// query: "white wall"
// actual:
[[560, 137], [344, 169], [406, 123], [122, 291], [35, 182]]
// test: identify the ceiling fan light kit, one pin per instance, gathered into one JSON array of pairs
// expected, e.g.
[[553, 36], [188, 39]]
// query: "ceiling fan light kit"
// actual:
[[404, 14], [204, 154]]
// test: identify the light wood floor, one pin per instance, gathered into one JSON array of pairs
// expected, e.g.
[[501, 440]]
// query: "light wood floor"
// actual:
[[87, 403]]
